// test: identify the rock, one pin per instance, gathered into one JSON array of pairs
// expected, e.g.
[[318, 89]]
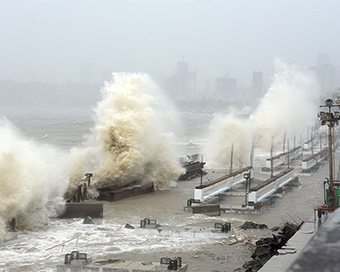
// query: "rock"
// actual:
[[128, 226], [276, 228], [88, 220], [252, 225]]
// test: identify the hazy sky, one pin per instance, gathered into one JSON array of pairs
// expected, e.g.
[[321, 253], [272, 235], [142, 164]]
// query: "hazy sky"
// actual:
[[48, 40]]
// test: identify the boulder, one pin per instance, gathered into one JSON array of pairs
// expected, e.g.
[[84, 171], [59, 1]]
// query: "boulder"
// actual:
[[252, 225], [88, 220]]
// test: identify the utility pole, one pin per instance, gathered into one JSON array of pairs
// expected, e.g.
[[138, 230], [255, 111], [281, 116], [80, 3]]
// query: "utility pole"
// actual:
[[331, 120]]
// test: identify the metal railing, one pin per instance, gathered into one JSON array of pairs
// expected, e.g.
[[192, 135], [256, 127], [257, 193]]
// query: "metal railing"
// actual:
[[81, 192]]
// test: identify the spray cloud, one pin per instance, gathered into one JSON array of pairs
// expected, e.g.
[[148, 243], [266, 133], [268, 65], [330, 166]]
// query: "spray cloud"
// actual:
[[32, 180], [131, 141], [289, 106]]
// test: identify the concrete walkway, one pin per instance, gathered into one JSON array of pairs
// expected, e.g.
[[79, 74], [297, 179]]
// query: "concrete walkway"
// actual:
[[292, 250]]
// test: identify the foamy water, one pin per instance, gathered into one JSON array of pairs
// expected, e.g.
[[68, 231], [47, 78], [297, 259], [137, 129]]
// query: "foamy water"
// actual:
[[42, 249], [288, 108], [133, 139], [132, 134], [33, 180]]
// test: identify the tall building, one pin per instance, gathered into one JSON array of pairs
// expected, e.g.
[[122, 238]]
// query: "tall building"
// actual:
[[183, 82], [325, 73], [226, 87], [182, 78]]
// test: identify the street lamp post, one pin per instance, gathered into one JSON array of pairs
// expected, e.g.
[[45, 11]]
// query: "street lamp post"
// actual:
[[330, 119], [247, 178]]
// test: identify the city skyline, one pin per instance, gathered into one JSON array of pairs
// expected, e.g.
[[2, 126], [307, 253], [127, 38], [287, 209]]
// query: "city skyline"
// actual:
[[49, 40]]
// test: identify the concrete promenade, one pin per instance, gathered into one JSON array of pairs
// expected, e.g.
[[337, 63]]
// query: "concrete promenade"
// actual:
[[291, 251], [322, 251], [310, 249]]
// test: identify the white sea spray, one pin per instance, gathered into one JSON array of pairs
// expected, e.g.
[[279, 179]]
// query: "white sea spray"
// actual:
[[133, 139], [289, 106], [32, 179]]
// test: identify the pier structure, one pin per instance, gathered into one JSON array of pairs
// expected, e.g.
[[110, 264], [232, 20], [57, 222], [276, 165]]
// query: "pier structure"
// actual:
[[282, 158], [309, 162], [214, 188], [270, 186], [79, 205], [310, 144], [318, 252]]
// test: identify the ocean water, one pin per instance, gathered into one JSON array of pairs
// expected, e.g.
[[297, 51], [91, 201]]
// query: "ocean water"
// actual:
[[135, 134], [43, 247]]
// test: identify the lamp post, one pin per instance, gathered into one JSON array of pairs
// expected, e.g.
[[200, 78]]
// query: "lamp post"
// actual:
[[247, 178], [330, 119]]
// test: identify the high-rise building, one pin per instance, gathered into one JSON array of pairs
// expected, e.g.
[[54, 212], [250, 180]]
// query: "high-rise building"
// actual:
[[226, 87], [324, 73], [183, 82]]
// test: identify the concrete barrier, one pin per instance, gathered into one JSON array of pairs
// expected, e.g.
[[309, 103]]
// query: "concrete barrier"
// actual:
[[284, 157], [215, 187], [309, 144], [311, 161], [82, 210], [212, 210], [270, 186]]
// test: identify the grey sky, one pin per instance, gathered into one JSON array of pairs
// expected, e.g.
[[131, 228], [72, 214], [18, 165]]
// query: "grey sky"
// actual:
[[50, 39]]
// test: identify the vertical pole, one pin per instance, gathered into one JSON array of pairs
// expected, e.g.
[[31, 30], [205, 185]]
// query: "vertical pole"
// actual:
[[245, 204], [231, 159], [252, 154], [284, 143], [320, 141], [331, 184], [288, 153], [312, 143], [202, 164], [201, 178], [271, 161]]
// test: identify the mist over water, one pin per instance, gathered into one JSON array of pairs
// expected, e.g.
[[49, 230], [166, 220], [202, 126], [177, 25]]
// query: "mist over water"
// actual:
[[288, 107], [229, 136], [32, 179], [132, 140]]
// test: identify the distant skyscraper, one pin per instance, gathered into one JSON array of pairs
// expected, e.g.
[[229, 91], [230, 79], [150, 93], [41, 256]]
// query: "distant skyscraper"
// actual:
[[226, 87], [182, 74], [325, 73], [257, 84], [183, 82]]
